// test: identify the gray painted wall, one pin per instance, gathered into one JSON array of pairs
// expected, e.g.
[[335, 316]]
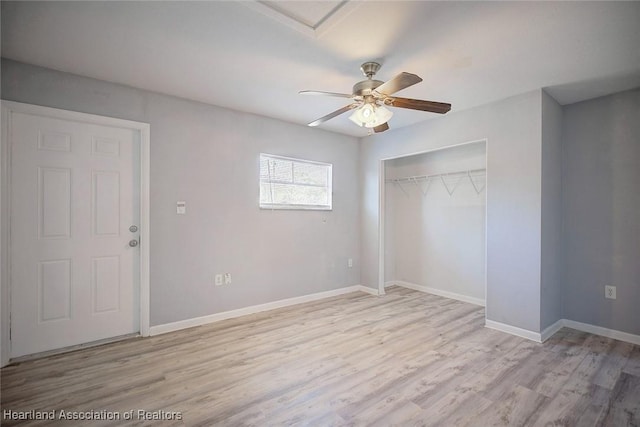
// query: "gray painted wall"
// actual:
[[201, 154], [601, 208], [551, 256], [437, 239], [208, 157], [513, 130]]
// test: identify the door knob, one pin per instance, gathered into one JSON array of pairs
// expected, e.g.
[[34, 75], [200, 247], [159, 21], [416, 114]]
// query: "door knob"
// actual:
[[133, 228], [133, 243]]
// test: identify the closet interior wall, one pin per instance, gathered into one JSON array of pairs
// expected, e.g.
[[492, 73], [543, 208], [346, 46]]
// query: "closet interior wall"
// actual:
[[435, 208]]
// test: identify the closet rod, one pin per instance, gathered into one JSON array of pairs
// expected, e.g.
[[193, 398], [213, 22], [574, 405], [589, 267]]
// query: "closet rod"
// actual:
[[438, 175]]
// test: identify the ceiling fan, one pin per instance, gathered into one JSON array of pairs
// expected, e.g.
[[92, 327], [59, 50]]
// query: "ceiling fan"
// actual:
[[371, 97]]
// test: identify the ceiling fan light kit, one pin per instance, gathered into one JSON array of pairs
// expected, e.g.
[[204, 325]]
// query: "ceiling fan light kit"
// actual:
[[371, 115], [370, 97]]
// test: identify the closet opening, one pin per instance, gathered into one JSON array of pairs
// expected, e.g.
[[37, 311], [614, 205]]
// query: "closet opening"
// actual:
[[433, 222]]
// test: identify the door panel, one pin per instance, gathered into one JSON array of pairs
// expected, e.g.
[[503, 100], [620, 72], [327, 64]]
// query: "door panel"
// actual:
[[75, 192], [105, 284], [54, 203], [105, 203], [54, 290]]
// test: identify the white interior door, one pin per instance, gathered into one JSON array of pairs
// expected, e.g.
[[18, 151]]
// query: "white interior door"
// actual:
[[74, 258]]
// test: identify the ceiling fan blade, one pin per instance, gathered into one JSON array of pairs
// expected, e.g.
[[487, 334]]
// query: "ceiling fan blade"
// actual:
[[334, 114], [399, 82], [381, 128], [317, 92], [418, 104]]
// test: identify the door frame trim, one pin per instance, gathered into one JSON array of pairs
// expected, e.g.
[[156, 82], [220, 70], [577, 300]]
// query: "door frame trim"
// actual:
[[143, 129]]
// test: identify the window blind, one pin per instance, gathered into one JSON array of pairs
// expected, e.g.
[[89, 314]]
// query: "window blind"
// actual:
[[287, 183]]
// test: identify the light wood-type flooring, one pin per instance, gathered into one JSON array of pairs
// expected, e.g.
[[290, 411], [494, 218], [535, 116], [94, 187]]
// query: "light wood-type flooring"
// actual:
[[405, 359]]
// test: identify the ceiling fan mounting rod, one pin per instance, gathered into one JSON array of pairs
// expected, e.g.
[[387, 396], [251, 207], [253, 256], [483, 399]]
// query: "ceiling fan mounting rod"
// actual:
[[365, 88], [369, 69]]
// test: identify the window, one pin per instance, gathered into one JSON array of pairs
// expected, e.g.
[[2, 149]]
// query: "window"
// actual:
[[287, 183]]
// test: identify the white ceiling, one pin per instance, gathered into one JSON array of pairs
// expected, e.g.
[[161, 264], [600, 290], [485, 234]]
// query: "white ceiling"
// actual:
[[256, 56]]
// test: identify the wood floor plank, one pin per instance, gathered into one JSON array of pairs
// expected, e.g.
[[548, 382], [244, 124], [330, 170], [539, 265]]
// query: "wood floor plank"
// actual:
[[407, 358], [514, 407], [624, 406], [633, 362]]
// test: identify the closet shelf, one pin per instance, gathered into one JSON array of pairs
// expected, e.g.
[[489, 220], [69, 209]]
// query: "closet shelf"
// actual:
[[450, 180]]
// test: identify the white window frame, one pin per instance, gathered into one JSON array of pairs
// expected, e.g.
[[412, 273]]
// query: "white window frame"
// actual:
[[284, 206]]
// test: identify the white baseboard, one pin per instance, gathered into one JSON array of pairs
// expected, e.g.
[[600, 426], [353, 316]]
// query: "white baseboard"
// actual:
[[439, 292], [513, 330], [605, 332], [368, 290], [503, 327], [551, 330], [524, 333], [198, 321]]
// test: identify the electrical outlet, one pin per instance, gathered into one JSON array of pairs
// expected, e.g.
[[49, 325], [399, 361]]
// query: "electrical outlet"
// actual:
[[227, 278], [218, 279], [610, 292], [350, 262]]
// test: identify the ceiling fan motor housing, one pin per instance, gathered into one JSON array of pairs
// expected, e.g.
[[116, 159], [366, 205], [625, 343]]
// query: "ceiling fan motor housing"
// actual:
[[365, 87]]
